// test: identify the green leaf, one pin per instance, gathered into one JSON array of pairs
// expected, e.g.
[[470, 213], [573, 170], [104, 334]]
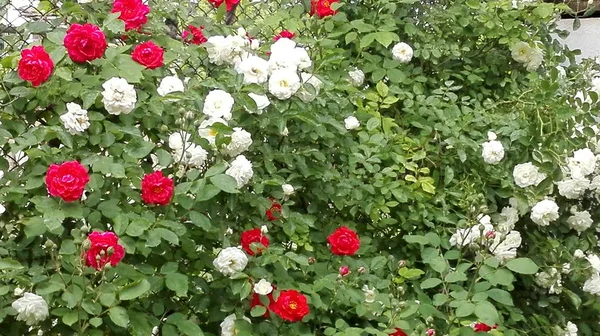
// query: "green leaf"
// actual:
[[119, 316], [410, 273], [500, 296], [178, 283], [487, 313], [416, 239], [10, 264], [465, 309], [258, 311], [64, 73], [189, 328], [430, 283], [138, 148], [200, 220], [378, 262], [56, 36], [225, 182], [134, 290], [386, 38], [522, 266], [113, 24], [70, 318], [164, 234]]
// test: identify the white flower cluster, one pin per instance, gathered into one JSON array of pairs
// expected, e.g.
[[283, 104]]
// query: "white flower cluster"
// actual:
[[530, 57], [474, 234], [31, 308], [492, 150], [229, 49], [76, 119], [118, 96], [185, 151], [241, 170]]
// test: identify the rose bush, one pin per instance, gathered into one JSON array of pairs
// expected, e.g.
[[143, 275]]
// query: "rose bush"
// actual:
[[332, 168]]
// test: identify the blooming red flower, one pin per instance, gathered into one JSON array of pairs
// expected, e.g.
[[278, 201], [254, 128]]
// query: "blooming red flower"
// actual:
[[256, 237], [133, 12], [67, 180], [157, 189], [344, 270], [35, 65], [228, 3], [398, 332], [194, 35], [344, 241], [291, 306], [284, 34], [274, 211], [322, 8], [104, 249], [483, 327], [149, 55], [85, 42]]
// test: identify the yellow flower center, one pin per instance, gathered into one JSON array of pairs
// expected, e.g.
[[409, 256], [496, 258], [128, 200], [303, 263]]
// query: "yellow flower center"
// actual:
[[283, 83], [293, 305], [212, 132]]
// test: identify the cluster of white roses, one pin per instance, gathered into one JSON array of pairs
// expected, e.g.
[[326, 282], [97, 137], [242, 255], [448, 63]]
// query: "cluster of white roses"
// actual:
[[530, 57]]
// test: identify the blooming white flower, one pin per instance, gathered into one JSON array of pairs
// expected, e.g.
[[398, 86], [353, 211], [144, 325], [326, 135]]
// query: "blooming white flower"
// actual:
[[526, 175], [288, 189], [536, 57], [571, 329], [230, 260], [241, 170], [580, 221], [402, 52], [592, 285], [544, 212], [492, 150], [18, 291], [186, 152], [301, 58], [282, 46], [506, 249], [240, 142], [75, 119], [263, 287], [284, 83], [573, 188], [509, 216], [550, 279], [306, 94], [351, 123], [228, 325], [285, 55], [254, 69], [31, 308], [218, 48], [357, 77], [218, 104], [370, 294], [170, 84], [118, 96], [521, 52], [207, 132], [471, 235], [582, 163], [262, 102], [578, 254], [594, 261]]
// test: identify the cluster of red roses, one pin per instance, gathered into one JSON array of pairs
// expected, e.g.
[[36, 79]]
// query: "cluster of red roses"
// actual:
[[322, 8], [68, 181]]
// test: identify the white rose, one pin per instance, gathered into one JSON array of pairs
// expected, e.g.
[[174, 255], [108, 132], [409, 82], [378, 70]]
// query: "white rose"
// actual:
[[573, 188], [544, 212], [230, 260], [357, 77], [508, 218], [207, 132], [218, 104], [170, 84], [282, 46], [177, 140], [309, 94], [301, 58], [186, 152], [218, 48], [402, 52], [526, 174], [241, 170], [582, 163], [592, 285], [594, 261], [31, 308], [288, 189], [351, 123], [492, 150], [284, 83], [506, 249], [254, 69], [75, 119], [578, 254], [118, 96], [262, 102], [521, 52], [236, 49], [571, 329], [536, 57], [263, 287], [228, 325], [580, 221], [241, 140]]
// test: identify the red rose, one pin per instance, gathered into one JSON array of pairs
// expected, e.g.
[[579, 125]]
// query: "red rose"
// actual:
[[483, 327], [149, 55], [344, 241], [322, 7], [284, 34], [291, 306], [228, 3], [104, 249], [35, 65], [85, 42], [398, 332], [67, 180], [274, 211], [194, 35], [252, 240], [133, 13], [157, 189]]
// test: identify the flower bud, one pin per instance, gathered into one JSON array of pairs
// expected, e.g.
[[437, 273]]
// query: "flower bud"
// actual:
[[86, 244], [430, 332], [491, 235], [429, 320], [164, 128], [344, 270], [402, 263], [264, 229], [311, 260], [110, 250], [481, 228], [85, 229], [189, 115], [362, 270]]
